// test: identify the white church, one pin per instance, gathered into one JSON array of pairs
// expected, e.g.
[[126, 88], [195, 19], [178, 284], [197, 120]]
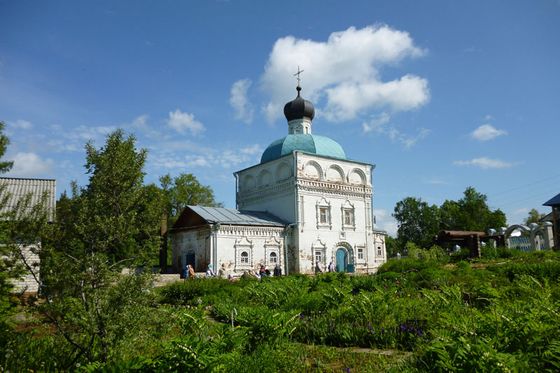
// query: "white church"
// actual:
[[304, 205]]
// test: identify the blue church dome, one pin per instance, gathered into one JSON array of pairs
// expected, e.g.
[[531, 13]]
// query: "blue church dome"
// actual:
[[308, 143]]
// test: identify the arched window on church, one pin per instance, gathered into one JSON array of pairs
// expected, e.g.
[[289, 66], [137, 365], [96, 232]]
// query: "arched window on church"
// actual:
[[244, 257], [273, 259]]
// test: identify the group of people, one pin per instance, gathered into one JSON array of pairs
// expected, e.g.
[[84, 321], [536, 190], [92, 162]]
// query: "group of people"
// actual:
[[330, 268], [264, 272], [188, 272]]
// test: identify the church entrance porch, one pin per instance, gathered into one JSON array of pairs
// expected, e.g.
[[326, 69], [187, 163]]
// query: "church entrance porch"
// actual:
[[344, 257], [341, 260]]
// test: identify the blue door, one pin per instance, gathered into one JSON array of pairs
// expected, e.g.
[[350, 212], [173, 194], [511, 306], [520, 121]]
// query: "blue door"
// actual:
[[341, 260]]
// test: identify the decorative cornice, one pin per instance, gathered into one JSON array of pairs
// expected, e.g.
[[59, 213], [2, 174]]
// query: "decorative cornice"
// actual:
[[235, 230], [334, 188]]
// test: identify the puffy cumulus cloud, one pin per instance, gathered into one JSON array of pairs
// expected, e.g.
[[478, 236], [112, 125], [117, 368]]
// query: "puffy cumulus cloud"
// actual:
[[345, 70], [239, 101], [30, 165], [380, 124], [348, 99], [385, 221], [487, 132], [184, 122], [484, 163]]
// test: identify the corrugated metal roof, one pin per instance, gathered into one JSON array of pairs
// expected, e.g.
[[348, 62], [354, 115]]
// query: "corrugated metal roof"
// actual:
[[235, 217], [20, 187], [553, 201]]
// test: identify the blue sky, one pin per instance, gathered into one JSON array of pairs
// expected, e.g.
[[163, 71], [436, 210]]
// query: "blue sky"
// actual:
[[440, 95]]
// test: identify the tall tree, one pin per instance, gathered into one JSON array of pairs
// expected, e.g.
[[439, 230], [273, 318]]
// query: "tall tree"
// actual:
[[417, 220], [118, 215], [111, 222]]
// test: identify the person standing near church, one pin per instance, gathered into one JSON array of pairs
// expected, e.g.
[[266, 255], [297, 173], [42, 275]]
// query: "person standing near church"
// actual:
[[222, 273], [318, 268], [190, 271], [331, 266]]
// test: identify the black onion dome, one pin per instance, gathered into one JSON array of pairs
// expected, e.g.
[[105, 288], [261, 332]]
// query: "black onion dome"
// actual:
[[299, 108]]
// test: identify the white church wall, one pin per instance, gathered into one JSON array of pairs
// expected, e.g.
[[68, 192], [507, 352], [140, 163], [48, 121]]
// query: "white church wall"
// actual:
[[268, 187], [338, 186], [245, 248], [191, 242]]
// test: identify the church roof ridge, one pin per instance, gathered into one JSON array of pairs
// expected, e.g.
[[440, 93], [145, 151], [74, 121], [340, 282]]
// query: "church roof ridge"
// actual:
[[223, 215]]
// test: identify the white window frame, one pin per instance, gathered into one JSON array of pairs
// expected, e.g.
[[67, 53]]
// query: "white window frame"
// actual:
[[346, 209], [360, 253], [272, 245], [243, 245], [323, 205], [319, 255]]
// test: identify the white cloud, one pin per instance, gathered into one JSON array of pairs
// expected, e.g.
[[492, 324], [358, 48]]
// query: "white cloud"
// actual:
[[376, 123], [485, 163], [345, 70], [184, 122], [30, 165], [21, 124], [239, 101], [347, 99], [170, 157], [385, 221], [252, 149], [487, 132], [380, 124]]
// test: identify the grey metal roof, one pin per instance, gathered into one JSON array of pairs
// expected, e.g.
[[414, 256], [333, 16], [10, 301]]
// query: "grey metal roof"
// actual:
[[553, 201], [20, 187], [235, 217]]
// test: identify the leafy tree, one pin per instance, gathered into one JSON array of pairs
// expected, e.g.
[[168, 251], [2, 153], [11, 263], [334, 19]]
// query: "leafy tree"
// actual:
[[417, 220], [470, 213], [112, 222], [118, 216], [391, 245], [420, 222], [5, 166], [184, 190], [534, 217]]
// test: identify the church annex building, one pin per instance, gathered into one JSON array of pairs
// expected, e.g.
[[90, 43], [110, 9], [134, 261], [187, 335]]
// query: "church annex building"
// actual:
[[304, 204]]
